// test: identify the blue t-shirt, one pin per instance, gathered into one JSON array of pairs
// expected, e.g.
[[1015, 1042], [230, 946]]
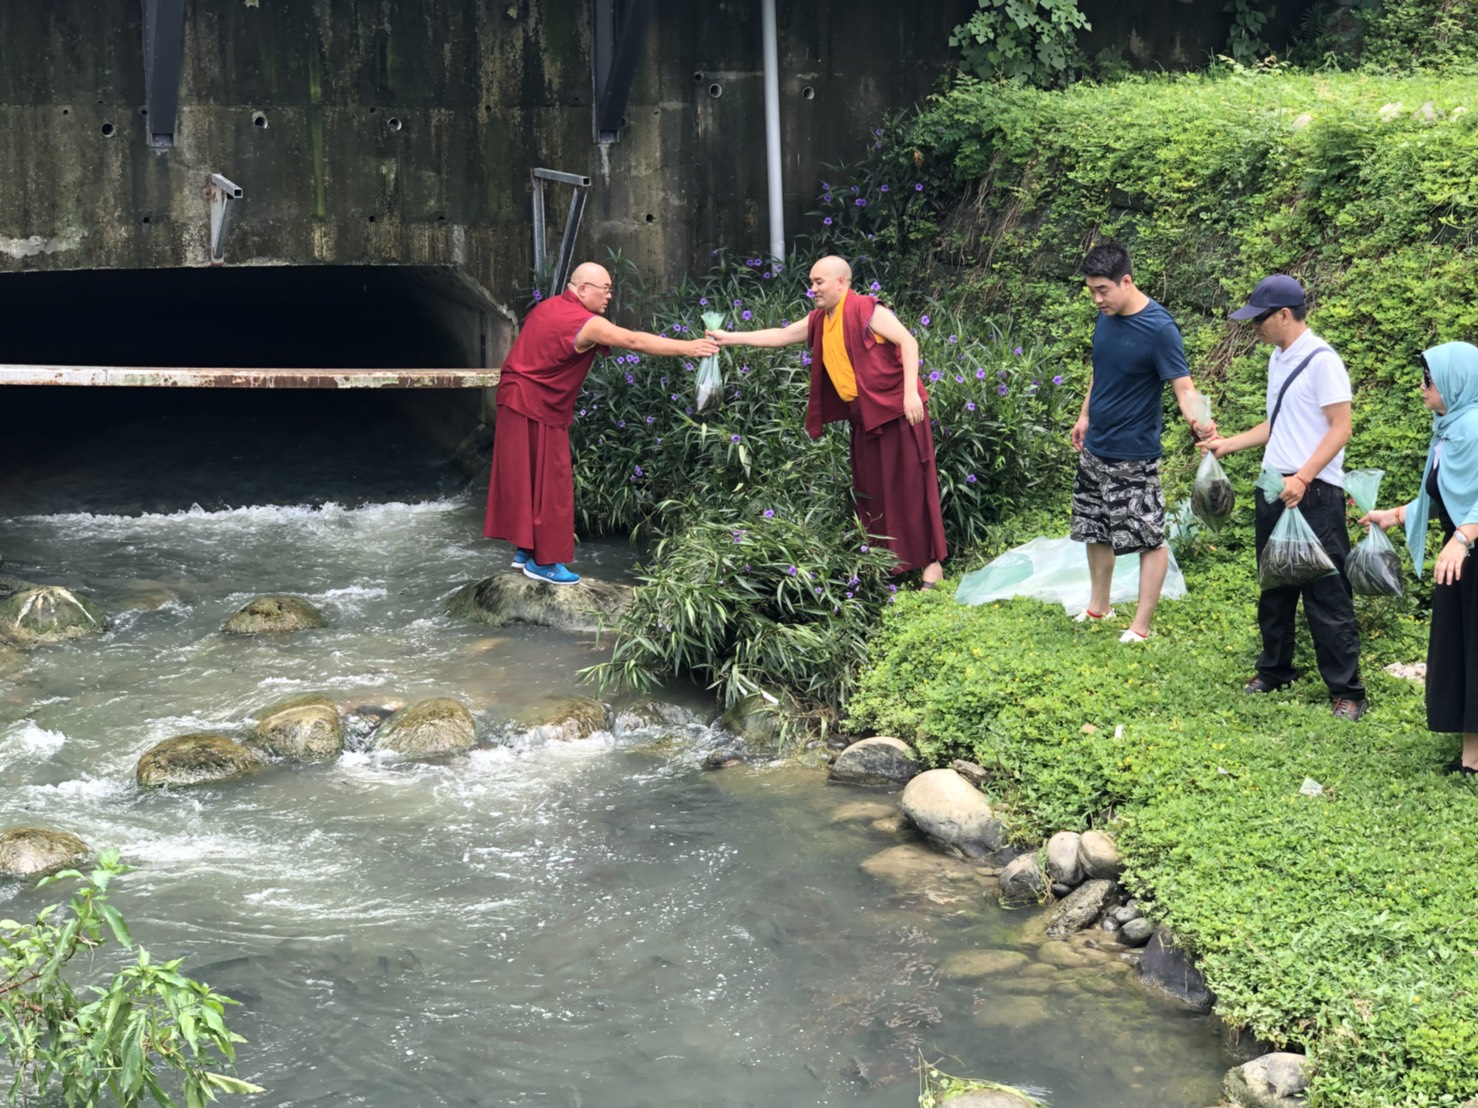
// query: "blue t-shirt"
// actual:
[[1133, 356]]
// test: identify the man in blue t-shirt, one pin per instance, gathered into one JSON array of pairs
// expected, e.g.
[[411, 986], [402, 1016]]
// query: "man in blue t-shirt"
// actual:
[[1118, 506]]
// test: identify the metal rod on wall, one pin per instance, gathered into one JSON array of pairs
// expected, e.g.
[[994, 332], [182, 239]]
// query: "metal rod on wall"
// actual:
[[772, 137]]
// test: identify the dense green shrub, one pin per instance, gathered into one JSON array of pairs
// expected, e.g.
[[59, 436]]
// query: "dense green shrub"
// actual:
[[1340, 922]]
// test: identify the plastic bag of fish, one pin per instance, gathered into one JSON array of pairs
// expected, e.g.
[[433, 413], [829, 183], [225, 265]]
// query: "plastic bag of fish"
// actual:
[[1212, 495], [1373, 567], [710, 381], [1294, 555]]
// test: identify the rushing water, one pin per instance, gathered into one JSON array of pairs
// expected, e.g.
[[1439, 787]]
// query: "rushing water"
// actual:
[[597, 923]]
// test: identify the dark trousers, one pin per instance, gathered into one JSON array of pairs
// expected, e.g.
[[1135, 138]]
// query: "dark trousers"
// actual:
[[1328, 606], [1452, 653]]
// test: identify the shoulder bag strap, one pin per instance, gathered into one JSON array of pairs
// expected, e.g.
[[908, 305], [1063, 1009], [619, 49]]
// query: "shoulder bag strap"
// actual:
[[1292, 377]]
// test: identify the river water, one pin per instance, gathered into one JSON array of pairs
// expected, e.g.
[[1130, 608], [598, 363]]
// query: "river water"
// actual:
[[595, 923]]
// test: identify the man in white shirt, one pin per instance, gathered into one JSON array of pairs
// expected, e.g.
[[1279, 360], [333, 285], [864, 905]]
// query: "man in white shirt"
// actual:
[[1304, 436]]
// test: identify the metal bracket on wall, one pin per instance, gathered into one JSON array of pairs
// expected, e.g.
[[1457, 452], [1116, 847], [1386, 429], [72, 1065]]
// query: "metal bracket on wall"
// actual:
[[220, 192], [164, 51], [562, 264], [620, 35]]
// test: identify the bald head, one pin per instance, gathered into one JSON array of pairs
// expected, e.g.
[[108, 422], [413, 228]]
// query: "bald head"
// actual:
[[831, 277], [591, 284]]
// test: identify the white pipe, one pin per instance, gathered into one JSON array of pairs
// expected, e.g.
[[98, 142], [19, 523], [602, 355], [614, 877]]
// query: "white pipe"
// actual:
[[772, 136]]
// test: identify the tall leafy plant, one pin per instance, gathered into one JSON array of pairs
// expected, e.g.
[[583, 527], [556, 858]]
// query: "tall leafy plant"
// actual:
[[1030, 40]]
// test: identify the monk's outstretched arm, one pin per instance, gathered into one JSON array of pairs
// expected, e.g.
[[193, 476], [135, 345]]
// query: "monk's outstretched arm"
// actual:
[[599, 331], [766, 336]]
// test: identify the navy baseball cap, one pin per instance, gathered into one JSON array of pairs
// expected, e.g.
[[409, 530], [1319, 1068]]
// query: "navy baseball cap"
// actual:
[[1272, 293]]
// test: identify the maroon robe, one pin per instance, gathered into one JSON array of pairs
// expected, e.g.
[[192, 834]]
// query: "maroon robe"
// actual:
[[894, 481], [531, 490]]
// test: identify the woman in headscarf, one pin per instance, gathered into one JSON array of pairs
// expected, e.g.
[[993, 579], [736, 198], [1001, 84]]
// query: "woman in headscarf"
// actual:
[[1449, 490]]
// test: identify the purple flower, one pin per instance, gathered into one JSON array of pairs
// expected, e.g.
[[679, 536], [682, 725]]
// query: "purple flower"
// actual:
[[849, 595], [733, 438], [676, 328], [861, 202], [675, 396], [766, 275], [538, 296], [769, 513], [1017, 351], [1001, 389], [746, 315], [737, 303], [980, 375], [818, 590], [934, 375], [882, 188], [630, 380], [738, 536], [954, 338], [638, 471], [650, 419], [959, 380], [854, 188], [827, 221], [744, 369], [620, 423], [970, 478], [805, 358], [810, 294], [864, 548], [792, 571], [582, 411], [878, 131], [924, 320], [875, 287], [703, 301], [969, 405], [1057, 380], [892, 588], [919, 187]]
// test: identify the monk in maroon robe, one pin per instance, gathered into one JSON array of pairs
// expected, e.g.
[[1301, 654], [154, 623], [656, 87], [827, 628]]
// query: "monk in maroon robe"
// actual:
[[865, 369], [531, 492]]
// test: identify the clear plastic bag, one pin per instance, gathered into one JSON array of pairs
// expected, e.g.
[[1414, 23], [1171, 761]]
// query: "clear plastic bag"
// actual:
[[710, 381], [1363, 485], [1373, 567], [1293, 555], [1056, 571], [1212, 495]]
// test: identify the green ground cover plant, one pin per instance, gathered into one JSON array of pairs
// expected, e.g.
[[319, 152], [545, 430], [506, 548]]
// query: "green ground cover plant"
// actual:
[[1341, 923], [149, 1035]]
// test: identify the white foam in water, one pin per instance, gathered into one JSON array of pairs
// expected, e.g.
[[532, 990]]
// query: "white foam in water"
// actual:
[[81, 788], [253, 515], [30, 739]]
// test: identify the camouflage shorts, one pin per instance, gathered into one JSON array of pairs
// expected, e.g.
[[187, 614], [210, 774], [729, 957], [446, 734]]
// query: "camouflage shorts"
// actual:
[[1118, 503]]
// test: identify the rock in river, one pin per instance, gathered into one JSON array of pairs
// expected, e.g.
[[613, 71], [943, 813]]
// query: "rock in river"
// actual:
[[274, 615], [880, 761], [198, 759], [37, 852], [304, 728], [427, 729], [512, 596], [952, 811], [47, 614]]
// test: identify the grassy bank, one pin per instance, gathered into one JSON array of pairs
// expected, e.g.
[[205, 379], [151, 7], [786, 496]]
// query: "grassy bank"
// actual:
[[1342, 922]]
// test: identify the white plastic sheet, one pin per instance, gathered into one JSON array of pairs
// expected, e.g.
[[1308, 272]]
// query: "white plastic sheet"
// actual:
[[1056, 571]]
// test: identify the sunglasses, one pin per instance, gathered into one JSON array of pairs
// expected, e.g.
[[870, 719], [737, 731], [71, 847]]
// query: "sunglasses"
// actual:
[[1267, 315]]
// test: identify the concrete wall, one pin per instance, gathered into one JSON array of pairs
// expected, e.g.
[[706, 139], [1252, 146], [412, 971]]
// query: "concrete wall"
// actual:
[[401, 132]]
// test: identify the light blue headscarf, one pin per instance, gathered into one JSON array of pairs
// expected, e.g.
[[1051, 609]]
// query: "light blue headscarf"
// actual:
[[1454, 367]]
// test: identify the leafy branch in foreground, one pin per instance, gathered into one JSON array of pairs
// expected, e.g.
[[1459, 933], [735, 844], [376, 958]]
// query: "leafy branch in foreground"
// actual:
[[150, 1019]]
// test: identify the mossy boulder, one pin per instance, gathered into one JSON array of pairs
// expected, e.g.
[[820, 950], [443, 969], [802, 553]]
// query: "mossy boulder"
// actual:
[[9, 585], [274, 615], [509, 597], [579, 717], [198, 759], [881, 761], [429, 728], [45, 614], [37, 852], [303, 728]]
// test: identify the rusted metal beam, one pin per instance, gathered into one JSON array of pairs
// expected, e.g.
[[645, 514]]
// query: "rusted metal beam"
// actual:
[[174, 377]]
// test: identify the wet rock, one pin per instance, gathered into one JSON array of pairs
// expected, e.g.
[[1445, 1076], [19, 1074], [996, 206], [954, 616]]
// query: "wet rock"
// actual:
[[274, 615], [579, 717], [989, 1098], [879, 761], [1099, 857], [38, 852], [952, 811], [1081, 908], [46, 614], [197, 759], [1136, 932], [429, 728], [755, 719], [651, 713], [1061, 956], [362, 720], [304, 728], [1022, 882], [970, 964], [863, 811], [1128, 911], [1011, 1010], [1170, 970], [1062, 858], [723, 759], [1061, 891], [509, 597], [1277, 1080], [911, 866], [9, 585]]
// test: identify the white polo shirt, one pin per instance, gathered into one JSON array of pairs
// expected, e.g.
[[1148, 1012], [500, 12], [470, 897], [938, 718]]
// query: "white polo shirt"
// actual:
[[1301, 421]]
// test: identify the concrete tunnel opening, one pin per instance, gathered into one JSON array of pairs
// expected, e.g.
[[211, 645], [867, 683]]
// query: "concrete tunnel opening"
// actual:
[[392, 318]]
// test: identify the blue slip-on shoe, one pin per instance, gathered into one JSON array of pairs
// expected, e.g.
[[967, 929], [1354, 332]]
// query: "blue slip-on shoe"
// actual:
[[520, 558], [555, 573]]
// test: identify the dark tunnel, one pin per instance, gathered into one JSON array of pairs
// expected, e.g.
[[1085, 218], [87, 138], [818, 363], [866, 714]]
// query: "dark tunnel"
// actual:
[[359, 317]]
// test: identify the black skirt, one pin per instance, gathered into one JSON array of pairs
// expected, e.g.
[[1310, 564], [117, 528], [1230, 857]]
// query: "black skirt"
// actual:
[[1452, 650]]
